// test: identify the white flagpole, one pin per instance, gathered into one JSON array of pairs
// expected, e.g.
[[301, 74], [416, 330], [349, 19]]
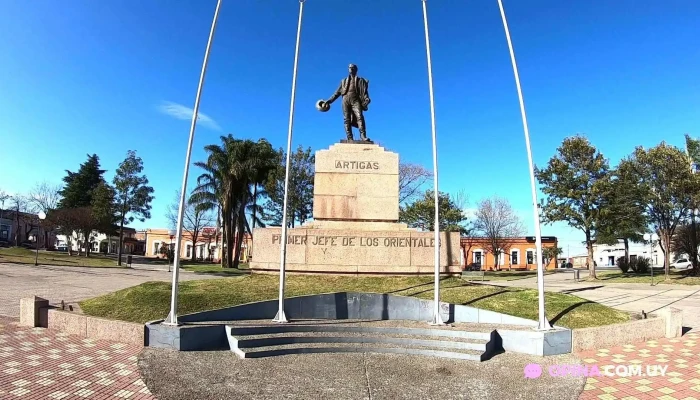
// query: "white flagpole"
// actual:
[[437, 319], [542, 324], [281, 317], [172, 317]]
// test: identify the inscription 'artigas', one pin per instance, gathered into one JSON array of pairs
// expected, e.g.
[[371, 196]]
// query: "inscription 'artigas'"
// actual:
[[347, 241], [357, 164]]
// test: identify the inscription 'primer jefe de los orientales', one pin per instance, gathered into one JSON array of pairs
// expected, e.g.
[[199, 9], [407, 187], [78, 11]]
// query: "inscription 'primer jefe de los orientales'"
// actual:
[[345, 241], [357, 164]]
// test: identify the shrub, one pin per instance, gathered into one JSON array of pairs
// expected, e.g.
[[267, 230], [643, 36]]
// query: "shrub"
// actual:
[[623, 264], [641, 265]]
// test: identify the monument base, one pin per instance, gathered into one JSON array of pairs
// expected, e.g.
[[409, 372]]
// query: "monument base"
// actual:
[[355, 141], [355, 252]]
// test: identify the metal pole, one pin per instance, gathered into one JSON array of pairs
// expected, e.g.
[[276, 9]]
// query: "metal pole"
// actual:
[[542, 324], [281, 317], [172, 317], [36, 257], [651, 257], [437, 319]]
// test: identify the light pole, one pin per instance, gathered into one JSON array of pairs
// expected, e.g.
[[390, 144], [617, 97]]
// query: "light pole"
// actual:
[[41, 216], [542, 322], [651, 237], [170, 249]]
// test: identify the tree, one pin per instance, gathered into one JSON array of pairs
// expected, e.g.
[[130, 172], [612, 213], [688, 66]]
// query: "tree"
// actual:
[[622, 212], [683, 242], [68, 222], [21, 206], [78, 188], [3, 198], [551, 253], [87, 190], [232, 173], [133, 194], [411, 178], [421, 214], [667, 186], [574, 183], [300, 200], [497, 222], [194, 219], [692, 149], [44, 197]]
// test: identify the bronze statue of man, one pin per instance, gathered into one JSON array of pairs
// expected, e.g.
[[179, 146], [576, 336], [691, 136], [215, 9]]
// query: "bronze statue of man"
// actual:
[[354, 90]]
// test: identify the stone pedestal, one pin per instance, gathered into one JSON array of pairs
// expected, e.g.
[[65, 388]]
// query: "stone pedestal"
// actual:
[[356, 182], [355, 228]]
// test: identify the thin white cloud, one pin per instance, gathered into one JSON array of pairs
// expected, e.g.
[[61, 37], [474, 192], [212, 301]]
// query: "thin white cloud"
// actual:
[[179, 111], [469, 213]]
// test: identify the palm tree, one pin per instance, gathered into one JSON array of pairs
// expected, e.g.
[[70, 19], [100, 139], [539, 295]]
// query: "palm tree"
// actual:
[[232, 173]]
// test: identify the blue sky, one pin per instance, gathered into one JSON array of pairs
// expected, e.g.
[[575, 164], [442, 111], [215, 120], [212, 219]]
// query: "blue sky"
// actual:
[[103, 77]]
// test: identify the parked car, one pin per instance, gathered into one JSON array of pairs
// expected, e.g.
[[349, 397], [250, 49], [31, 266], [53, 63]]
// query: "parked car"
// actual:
[[682, 263]]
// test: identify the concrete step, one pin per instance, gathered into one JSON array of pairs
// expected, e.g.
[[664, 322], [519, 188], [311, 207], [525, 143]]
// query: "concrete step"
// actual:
[[271, 340]]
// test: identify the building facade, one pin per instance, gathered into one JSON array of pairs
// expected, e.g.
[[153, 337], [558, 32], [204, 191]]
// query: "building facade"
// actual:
[[206, 248], [519, 253], [23, 229], [102, 243], [607, 255]]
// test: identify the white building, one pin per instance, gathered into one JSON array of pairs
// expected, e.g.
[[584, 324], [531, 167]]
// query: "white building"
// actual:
[[101, 243], [606, 255]]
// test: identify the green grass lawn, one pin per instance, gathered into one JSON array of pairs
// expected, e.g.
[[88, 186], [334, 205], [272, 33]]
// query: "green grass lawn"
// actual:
[[684, 277], [151, 300], [508, 275], [215, 269], [21, 255]]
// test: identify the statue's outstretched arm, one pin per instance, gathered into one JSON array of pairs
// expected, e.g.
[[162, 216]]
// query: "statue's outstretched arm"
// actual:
[[336, 94]]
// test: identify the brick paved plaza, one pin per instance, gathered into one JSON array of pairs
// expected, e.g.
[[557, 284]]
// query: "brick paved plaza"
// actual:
[[681, 380], [37, 363]]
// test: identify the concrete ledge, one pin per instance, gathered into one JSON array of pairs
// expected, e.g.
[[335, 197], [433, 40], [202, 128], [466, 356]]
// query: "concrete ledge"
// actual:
[[200, 331], [68, 322], [30, 311], [356, 305], [674, 321], [116, 331], [537, 343], [95, 328], [601, 337]]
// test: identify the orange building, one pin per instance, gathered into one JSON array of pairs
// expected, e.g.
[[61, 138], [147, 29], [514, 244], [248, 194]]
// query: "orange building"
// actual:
[[519, 253], [205, 249]]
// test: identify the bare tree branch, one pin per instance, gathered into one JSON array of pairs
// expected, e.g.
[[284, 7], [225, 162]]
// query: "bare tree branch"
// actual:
[[194, 220], [499, 224], [45, 196], [411, 179]]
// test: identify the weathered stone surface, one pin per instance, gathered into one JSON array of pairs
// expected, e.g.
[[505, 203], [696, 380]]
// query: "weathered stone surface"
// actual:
[[355, 228], [30, 310], [356, 182], [355, 251]]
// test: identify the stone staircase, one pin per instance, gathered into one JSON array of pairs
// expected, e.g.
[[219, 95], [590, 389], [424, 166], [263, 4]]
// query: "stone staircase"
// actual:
[[255, 340]]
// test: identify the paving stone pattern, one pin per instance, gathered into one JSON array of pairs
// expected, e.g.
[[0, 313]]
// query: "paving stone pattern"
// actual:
[[37, 363], [681, 380]]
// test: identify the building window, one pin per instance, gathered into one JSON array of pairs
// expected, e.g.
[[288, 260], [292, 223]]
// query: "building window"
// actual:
[[156, 248], [4, 232], [189, 251], [530, 257], [514, 257], [477, 257]]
